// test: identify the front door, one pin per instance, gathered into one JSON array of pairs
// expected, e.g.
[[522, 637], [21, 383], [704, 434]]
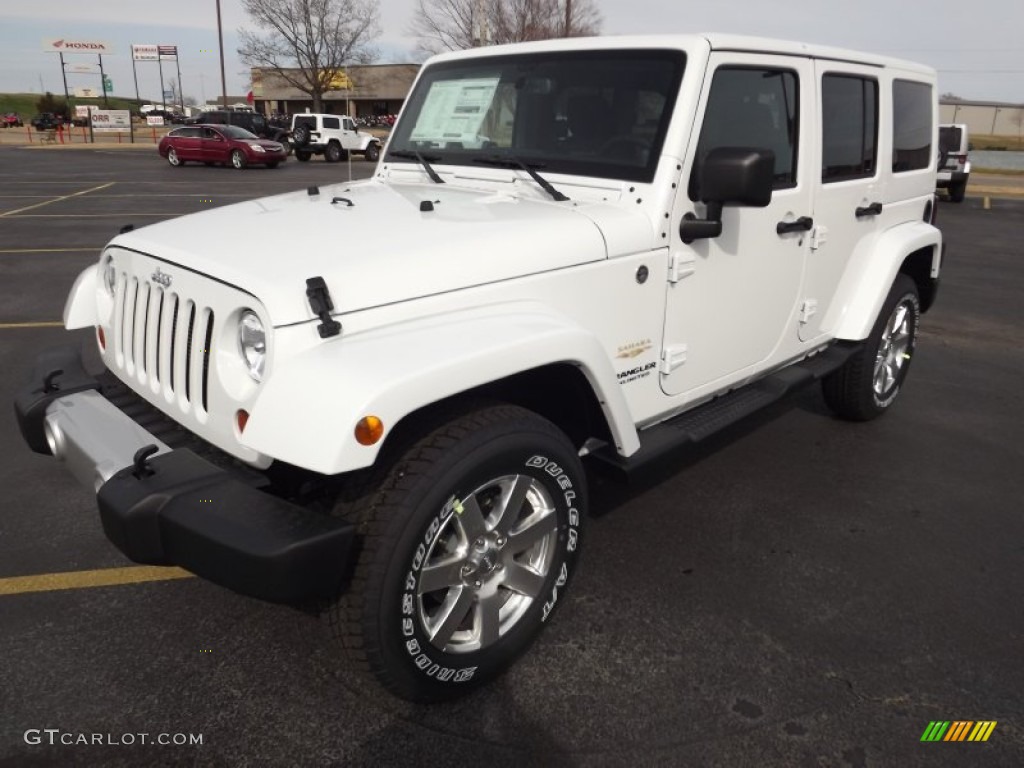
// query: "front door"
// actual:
[[732, 299]]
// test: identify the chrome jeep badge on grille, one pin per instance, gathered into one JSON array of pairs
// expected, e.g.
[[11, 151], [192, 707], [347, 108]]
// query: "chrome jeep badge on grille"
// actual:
[[161, 278]]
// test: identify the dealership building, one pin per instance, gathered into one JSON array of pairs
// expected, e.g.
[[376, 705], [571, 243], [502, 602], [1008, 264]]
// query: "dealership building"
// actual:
[[360, 91]]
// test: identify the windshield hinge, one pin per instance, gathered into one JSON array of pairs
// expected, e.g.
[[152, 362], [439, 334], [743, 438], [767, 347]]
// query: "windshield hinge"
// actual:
[[320, 302]]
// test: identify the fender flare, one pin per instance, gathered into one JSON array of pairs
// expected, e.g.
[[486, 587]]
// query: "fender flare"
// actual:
[[871, 273], [80, 310], [308, 408]]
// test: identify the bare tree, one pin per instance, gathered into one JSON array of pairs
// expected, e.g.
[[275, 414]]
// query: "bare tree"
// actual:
[[451, 25], [172, 86], [307, 43]]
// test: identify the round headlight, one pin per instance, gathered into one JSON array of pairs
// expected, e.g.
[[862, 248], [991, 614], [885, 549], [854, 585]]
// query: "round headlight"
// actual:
[[109, 275], [252, 342]]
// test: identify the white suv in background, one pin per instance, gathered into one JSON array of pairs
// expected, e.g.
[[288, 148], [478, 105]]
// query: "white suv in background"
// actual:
[[954, 167], [332, 136]]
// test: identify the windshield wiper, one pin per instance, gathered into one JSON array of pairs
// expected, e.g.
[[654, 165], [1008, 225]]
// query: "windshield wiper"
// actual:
[[412, 154], [511, 161]]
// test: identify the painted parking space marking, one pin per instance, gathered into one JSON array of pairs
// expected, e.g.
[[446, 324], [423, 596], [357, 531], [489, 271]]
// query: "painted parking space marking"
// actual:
[[39, 324], [85, 215], [9, 214], [51, 250], [104, 577]]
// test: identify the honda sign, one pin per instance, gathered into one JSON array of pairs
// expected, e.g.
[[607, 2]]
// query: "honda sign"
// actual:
[[67, 45]]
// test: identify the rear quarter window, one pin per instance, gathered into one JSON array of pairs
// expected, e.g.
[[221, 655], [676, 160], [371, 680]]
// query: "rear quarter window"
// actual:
[[912, 125]]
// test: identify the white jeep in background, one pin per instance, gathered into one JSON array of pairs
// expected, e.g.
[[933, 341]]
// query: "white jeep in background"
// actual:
[[597, 250], [333, 136], [954, 167]]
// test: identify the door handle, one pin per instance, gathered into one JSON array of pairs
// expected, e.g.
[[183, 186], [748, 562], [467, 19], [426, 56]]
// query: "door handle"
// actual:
[[868, 210], [803, 224]]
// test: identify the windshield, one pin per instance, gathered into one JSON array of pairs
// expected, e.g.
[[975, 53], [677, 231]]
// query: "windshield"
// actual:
[[591, 113], [234, 132]]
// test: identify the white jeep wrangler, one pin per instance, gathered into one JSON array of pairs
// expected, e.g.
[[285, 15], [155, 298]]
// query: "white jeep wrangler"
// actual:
[[598, 250], [332, 136], [954, 167]]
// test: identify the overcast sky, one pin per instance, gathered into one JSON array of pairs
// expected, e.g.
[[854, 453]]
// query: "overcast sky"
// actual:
[[977, 45]]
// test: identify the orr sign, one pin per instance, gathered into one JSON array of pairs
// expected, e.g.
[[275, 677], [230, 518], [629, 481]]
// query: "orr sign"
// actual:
[[69, 45]]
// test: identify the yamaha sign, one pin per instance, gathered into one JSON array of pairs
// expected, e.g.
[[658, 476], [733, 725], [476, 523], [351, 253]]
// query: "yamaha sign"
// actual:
[[68, 45]]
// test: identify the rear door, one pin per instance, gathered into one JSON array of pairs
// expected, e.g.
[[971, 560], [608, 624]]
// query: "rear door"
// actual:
[[215, 148], [188, 144], [848, 184]]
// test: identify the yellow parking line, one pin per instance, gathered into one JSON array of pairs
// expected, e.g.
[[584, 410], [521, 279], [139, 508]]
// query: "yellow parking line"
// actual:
[[105, 577], [56, 324], [56, 199], [51, 250], [87, 215]]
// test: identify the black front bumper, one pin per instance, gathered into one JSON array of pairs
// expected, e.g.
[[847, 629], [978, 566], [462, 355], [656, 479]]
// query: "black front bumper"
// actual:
[[192, 514], [180, 509]]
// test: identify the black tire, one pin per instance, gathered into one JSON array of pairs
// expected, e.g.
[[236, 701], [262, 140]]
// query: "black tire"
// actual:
[[238, 159], [303, 155], [851, 391], [333, 152], [372, 152], [301, 135], [957, 192], [434, 492]]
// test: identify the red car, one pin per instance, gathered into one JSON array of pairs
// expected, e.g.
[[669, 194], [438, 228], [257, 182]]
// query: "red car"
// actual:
[[220, 144], [11, 120]]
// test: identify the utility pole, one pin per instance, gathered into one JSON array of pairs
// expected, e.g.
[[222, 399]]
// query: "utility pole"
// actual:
[[220, 47], [568, 18], [103, 82], [64, 74]]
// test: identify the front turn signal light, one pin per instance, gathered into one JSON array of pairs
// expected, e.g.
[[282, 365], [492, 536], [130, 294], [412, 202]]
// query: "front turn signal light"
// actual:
[[369, 430]]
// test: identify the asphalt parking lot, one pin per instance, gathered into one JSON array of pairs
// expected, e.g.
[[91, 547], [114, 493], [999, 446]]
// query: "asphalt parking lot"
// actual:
[[804, 593]]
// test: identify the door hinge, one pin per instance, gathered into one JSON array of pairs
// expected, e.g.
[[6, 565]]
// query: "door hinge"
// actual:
[[808, 310], [819, 236], [672, 357], [680, 265]]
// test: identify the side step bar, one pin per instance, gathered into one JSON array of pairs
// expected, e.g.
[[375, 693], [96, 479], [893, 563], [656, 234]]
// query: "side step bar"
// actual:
[[702, 422]]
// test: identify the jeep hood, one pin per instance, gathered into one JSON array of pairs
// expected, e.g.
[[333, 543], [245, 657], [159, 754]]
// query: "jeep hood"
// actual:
[[380, 249]]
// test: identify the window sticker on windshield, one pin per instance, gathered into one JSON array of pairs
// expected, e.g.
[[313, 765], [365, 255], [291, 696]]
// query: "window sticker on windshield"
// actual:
[[454, 110]]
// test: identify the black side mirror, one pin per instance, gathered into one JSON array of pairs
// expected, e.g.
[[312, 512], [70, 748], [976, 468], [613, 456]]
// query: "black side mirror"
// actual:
[[730, 176]]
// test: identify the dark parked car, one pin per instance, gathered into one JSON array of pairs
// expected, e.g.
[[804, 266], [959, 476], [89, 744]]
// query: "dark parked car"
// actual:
[[220, 144], [46, 120], [253, 122], [11, 120], [170, 118]]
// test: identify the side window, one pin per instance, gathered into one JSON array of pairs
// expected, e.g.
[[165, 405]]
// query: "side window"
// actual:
[[753, 108], [912, 125], [331, 123], [849, 127]]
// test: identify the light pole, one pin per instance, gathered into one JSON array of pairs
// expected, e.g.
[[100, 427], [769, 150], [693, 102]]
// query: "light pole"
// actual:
[[220, 47], [994, 116]]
